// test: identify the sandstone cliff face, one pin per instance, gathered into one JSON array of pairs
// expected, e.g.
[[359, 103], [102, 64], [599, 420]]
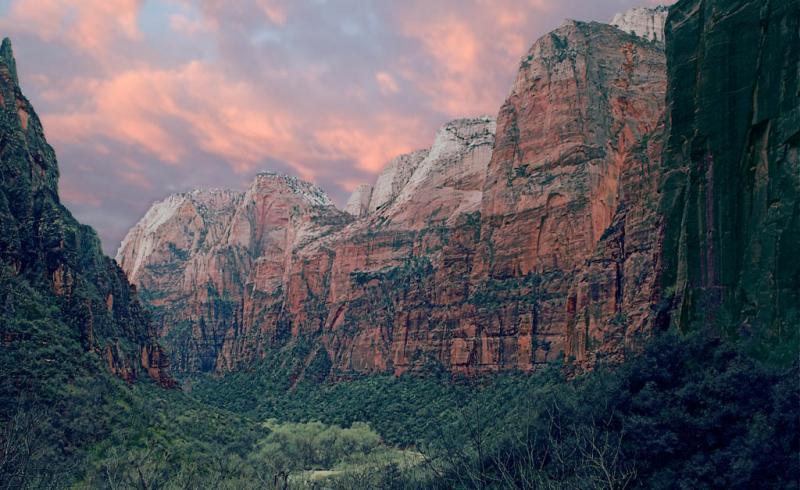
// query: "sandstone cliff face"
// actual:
[[567, 163], [480, 253], [42, 247], [195, 254], [643, 21], [358, 203], [732, 172]]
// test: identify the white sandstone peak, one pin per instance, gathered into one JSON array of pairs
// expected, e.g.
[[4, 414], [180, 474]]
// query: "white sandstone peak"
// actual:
[[645, 22], [358, 204]]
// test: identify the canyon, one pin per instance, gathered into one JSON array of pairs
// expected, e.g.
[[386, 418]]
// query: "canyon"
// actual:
[[507, 244], [617, 246]]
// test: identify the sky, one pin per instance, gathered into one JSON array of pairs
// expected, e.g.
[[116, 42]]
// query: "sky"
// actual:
[[145, 98]]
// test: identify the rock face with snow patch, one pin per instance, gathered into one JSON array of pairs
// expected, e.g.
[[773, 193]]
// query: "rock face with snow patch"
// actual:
[[644, 22], [358, 203], [394, 177]]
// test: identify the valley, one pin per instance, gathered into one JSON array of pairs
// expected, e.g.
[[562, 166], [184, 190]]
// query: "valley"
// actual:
[[595, 287]]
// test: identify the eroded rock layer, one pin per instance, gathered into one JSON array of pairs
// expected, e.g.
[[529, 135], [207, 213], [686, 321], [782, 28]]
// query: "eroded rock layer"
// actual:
[[481, 253]]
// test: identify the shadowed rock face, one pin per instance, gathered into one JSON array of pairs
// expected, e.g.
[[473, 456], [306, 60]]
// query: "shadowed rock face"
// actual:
[[732, 177], [43, 247], [479, 253]]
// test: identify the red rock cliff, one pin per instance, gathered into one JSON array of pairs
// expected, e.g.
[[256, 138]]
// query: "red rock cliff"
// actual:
[[481, 254]]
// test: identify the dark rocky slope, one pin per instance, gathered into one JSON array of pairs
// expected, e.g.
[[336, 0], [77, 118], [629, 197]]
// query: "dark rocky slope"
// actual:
[[46, 252], [731, 191]]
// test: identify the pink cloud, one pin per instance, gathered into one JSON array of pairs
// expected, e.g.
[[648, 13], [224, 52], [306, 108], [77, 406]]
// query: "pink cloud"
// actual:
[[72, 195], [218, 112], [386, 82], [274, 12], [372, 144], [88, 25], [470, 44], [227, 118], [215, 90], [136, 179]]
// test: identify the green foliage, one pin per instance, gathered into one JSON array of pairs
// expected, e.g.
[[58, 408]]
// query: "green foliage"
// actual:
[[314, 445], [400, 409], [493, 293], [688, 412], [691, 412]]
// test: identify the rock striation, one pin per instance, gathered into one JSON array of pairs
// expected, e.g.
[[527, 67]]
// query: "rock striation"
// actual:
[[732, 171], [504, 245], [573, 160], [644, 22], [45, 251]]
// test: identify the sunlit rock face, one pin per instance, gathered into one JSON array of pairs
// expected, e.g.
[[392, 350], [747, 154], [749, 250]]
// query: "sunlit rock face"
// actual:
[[644, 22], [506, 244], [358, 203], [573, 160]]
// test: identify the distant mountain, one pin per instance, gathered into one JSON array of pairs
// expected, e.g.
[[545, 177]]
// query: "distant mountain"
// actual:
[[573, 227], [480, 253], [196, 257]]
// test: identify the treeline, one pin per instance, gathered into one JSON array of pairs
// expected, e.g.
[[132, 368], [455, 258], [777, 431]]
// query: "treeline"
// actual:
[[688, 412]]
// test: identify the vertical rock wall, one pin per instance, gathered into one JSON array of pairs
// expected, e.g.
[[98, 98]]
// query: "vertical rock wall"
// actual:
[[732, 173]]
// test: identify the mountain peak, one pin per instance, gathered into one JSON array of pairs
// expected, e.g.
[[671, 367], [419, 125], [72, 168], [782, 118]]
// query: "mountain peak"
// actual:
[[280, 181], [645, 22], [7, 59]]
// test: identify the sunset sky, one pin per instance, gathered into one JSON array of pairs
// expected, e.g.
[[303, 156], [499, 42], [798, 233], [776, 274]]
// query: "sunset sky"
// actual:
[[144, 98]]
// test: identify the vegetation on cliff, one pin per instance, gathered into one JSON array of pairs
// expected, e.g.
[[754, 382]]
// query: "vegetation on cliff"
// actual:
[[711, 401]]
